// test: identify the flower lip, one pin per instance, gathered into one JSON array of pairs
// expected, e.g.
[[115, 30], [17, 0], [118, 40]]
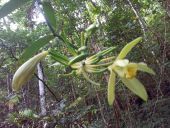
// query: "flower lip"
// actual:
[[125, 69], [131, 70]]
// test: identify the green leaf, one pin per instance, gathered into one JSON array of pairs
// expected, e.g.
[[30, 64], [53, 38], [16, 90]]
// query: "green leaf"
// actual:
[[136, 87], [92, 10], [143, 67], [11, 6], [82, 39], [71, 48], [49, 14], [77, 39], [35, 46], [128, 48], [59, 57], [111, 88], [55, 53]]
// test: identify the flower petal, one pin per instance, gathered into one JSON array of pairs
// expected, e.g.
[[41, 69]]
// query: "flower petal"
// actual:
[[121, 63], [111, 88], [87, 78], [143, 67], [136, 87], [128, 48]]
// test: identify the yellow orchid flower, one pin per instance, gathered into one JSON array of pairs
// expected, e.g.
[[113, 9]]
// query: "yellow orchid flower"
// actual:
[[125, 69], [127, 72]]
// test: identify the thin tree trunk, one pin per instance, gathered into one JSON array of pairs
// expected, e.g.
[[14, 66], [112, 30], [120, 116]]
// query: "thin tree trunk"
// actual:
[[41, 90], [140, 19], [8, 81]]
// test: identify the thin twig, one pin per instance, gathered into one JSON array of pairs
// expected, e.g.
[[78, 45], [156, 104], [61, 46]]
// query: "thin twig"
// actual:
[[46, 86], [140, 19]]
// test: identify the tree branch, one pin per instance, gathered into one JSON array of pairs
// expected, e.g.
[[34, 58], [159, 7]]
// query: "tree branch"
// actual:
[[46, 86], [140, 19]]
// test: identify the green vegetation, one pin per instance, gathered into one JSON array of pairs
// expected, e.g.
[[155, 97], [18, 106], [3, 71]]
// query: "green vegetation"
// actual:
[[65, 63]]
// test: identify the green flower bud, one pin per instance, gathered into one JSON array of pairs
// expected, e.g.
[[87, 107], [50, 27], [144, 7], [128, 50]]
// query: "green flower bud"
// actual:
[[25, 71]]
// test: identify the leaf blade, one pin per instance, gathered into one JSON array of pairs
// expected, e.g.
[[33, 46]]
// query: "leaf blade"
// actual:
[[35, 46], [49, 14]]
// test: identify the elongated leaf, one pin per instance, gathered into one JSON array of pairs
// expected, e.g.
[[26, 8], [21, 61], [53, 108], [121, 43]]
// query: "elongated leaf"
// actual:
[[59, 57], [77, 39], [136, 87], [35, 46], [100, 54], [56, 54], [111, 88], [11, 6], [60, 60], [82, 39], [71, 48], [143, 67], [49, 14], [128, 48]]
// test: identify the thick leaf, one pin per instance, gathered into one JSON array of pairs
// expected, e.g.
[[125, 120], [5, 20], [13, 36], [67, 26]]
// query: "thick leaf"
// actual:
[[82, 39], [60, 60], [136, 87], [92, 10], [49, 14], [59, 57], [11, 6], [71, 48], [56, 54], [111, 88], [35, 46], [128, 48], [143, 67]]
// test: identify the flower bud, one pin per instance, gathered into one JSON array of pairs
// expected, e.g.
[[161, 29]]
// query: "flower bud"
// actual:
[[25, 71]]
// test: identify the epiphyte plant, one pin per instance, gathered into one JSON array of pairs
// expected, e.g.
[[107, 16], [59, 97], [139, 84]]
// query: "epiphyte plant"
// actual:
[[82, 65]]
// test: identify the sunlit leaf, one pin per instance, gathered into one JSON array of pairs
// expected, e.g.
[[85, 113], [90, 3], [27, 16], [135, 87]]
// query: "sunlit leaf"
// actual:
[[49, 14], [128, 48], [136, 87]]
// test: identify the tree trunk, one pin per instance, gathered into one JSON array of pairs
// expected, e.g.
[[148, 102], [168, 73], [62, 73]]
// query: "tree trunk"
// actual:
[[41, 90], [8, 82]]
